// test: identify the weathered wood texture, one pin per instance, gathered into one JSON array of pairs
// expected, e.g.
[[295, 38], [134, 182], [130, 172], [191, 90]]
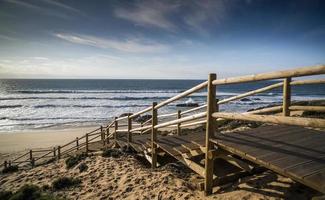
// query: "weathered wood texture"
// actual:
[[298, 121], [304, 71], [292, 151]]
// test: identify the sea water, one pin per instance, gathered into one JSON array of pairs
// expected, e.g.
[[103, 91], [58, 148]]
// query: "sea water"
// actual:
[[33, 104]]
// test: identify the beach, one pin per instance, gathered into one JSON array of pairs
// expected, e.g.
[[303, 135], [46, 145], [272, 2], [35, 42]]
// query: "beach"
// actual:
[[14, 143], [125, 177], [52, 117]]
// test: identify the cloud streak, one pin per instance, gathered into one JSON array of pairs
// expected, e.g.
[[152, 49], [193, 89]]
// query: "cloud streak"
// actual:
[[40, 8], [199, 15], [149, 14], [133, 45], [205, 13]]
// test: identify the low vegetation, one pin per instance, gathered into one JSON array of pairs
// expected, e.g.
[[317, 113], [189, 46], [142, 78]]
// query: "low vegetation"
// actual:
[[82, 167], [74, 160], [111, 153], [65, 182], [27, 192], [10, 169]]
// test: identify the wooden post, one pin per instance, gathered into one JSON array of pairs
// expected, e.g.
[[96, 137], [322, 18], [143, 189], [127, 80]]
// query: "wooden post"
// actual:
[[107, 135], [115, 128], [179, 124], [129, 129], [141, 125], [77, 143], [59, 152], [5, 164], [286, 96], [9, 163], [31, 158], [87, 148], [54, 152], [154, 136], [210, 130], [102, 135]]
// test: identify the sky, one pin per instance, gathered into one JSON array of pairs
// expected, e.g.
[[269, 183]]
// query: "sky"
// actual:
[[180, 39]]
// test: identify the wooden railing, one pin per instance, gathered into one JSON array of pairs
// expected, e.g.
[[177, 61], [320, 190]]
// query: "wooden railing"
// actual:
[[209, 115]]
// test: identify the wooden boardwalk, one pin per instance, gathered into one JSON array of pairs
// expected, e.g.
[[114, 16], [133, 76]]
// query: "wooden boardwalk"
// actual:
[[285, 148], [292, 151]]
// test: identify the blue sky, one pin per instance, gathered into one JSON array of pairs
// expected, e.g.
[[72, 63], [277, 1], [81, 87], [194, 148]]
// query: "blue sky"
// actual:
[[158, 39]]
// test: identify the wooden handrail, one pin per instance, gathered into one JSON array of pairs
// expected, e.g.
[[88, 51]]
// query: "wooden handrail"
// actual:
[[184, 119], [121, 118], [140, 128], [167, 115], [253, 92], [146, 122], [140, 112], [21, 156], [93, 131], [303, 82], [298, 121], [304, 71], [122, 130], [183, 94], [193, 109], [190, 124], [67, 144], [265, 110], [308, 108], [43, 155]]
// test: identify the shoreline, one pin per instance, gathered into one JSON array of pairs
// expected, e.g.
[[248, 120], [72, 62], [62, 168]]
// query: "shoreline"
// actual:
[[11, 142]]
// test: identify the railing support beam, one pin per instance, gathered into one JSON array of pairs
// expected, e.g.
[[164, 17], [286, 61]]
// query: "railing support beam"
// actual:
[[179, 115], [286, 96], [87, 147], [77, 143], [59, 152], [154, 136], [129, 129], [210, 130], [115, 129]]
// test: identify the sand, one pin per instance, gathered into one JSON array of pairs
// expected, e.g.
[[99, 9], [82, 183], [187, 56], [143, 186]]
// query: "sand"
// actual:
[[14, 143], [127, 178], [18, 141]]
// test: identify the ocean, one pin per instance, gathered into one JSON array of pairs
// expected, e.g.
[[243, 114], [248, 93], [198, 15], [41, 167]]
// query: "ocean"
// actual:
[[34, 104]]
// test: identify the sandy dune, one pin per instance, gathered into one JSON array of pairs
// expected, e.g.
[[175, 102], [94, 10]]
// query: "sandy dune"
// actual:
[[128, 178]]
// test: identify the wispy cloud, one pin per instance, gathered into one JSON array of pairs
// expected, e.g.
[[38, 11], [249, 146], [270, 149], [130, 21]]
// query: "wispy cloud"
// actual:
[[204, 14], [199, 16], [41, 7], [133, 45], [63, 6], [149, 13]]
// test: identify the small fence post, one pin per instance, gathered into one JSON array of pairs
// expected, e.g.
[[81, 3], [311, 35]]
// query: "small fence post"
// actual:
[[210, 130], [154, 136], [179, 124], [141, 125], [107, 135], [115, 128], [77, 143], [9, 163], [87, 143], [54, 152], [31, 158], [102, 135], [286, 96], [5, 164], [59, 152], [129, 129]]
